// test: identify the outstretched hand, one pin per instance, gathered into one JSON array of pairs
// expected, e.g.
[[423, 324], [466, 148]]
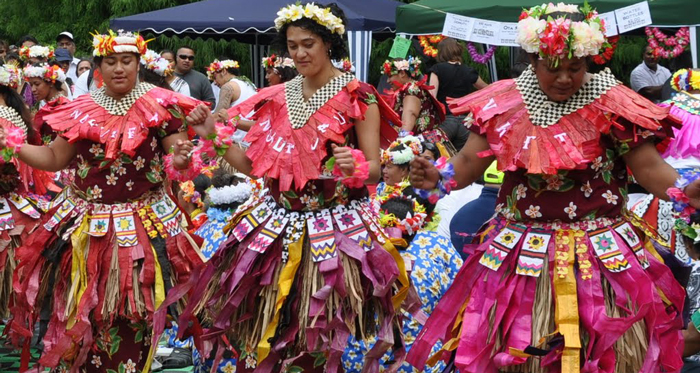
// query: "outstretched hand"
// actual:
[[202, 121], [182, 151], [344, 159], [423, 175], [693, 193]]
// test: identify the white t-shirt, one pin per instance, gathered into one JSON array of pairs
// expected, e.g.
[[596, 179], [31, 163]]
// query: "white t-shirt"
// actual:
[[642, 76], [448, 206]]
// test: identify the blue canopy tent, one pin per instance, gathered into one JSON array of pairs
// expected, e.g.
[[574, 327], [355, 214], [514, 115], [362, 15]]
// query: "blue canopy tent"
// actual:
[[253, 22]]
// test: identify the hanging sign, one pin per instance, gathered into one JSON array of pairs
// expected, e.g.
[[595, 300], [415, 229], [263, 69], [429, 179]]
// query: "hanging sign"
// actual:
[[633, 17], [485, 32], [458, 27], [508, 34], [610, 23]]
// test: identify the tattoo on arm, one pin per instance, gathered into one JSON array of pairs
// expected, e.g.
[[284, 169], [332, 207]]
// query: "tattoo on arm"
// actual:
[[225, 98]]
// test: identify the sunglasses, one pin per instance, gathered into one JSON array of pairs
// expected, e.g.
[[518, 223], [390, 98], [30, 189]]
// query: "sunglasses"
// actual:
[[184, 57]]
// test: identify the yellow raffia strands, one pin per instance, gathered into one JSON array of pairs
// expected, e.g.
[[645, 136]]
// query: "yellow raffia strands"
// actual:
[[285, 285], [566, 310], [80, 242]]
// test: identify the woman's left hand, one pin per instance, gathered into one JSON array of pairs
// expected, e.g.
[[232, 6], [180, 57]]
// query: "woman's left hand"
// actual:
[[344, 159], [181, 154], [693, 193]]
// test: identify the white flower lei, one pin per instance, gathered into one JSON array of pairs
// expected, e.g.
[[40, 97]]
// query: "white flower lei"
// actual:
[[231, 193]]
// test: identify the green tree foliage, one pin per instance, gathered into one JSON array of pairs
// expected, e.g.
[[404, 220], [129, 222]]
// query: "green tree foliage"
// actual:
[[45, 19]]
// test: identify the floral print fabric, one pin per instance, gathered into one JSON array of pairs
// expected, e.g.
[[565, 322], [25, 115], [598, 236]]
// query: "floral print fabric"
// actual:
[[125, 178], [597, 190]]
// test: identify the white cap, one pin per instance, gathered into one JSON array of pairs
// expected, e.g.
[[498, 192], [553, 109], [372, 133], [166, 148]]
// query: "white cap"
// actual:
[[66, 34]]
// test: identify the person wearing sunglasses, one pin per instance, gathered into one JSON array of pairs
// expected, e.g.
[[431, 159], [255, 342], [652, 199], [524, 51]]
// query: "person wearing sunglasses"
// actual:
[[200, 87]]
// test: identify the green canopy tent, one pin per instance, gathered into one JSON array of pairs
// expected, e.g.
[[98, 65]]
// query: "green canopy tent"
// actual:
[[428, 16]]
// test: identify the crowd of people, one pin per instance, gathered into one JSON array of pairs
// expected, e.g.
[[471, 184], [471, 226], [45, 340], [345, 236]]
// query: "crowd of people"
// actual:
[[543, 223]]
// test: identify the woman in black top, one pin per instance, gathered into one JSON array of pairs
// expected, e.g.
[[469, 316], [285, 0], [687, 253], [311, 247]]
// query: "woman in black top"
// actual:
[[450, 78]]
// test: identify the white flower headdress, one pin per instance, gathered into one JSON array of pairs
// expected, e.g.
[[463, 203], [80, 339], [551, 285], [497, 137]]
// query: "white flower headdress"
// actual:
[[322, 16]]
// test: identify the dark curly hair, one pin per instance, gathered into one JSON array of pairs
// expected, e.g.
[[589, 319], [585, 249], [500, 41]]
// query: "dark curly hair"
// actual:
[[339, 48], [286, 73]]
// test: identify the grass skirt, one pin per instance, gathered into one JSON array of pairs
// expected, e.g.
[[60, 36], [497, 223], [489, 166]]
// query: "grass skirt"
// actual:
[[592, 296]]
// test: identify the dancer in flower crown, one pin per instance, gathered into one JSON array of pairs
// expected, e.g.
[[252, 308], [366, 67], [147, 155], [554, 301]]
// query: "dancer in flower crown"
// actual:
[[235, 88], [278, 69], [307, 266], [559, 280], [421, 113], [104, 259], [45, 82], [22, 189]]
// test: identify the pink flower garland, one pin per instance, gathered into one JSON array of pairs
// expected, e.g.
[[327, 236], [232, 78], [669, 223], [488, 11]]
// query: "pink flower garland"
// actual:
[[357, 179], [194, 170], [480, 58], [659, 42], [15, 138]]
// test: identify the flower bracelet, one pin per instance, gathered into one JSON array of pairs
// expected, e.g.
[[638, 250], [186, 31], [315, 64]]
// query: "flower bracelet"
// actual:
[[444, 185]]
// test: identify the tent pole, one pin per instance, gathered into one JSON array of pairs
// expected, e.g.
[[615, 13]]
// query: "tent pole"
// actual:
[[256, 63], [694, 45], [492, 65]]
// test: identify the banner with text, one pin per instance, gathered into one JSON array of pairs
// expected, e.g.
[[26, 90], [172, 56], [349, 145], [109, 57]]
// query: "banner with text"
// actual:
[[504, 33]]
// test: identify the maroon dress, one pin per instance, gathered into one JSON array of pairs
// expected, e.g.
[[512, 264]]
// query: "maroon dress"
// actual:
[[561, 279], [111, 248], [306, 264]]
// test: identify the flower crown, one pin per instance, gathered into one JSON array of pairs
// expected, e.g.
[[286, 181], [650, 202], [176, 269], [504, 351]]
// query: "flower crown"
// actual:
[[322, 16], [221, 65], [276, 61], [685, 80], [558, 38], [36, 51], [154, 62], [411, 65], [409, 225], [402, 150], [121, 42], [51, 74], [238, 193], [10, 76]]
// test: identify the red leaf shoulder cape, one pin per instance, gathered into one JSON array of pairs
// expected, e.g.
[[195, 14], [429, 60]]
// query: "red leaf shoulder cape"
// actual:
[[524, 130], [295, 155], [121, 125]]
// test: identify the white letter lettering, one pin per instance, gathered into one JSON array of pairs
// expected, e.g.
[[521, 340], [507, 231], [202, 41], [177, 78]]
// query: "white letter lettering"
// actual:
[[561, 137], [502, 129], [279, 144], [490, 105], [527, 141]]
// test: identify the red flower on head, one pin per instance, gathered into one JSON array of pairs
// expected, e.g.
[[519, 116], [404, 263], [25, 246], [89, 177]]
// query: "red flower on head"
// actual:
[[523, 15]]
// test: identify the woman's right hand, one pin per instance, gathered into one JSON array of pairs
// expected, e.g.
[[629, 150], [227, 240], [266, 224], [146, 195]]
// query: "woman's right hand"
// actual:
[[202, 121], [423, 175]]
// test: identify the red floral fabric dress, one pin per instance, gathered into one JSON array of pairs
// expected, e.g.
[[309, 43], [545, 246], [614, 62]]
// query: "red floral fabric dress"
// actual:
[[111, 247], [306, 264], [22, 200], [561, 279], [432, 113]]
